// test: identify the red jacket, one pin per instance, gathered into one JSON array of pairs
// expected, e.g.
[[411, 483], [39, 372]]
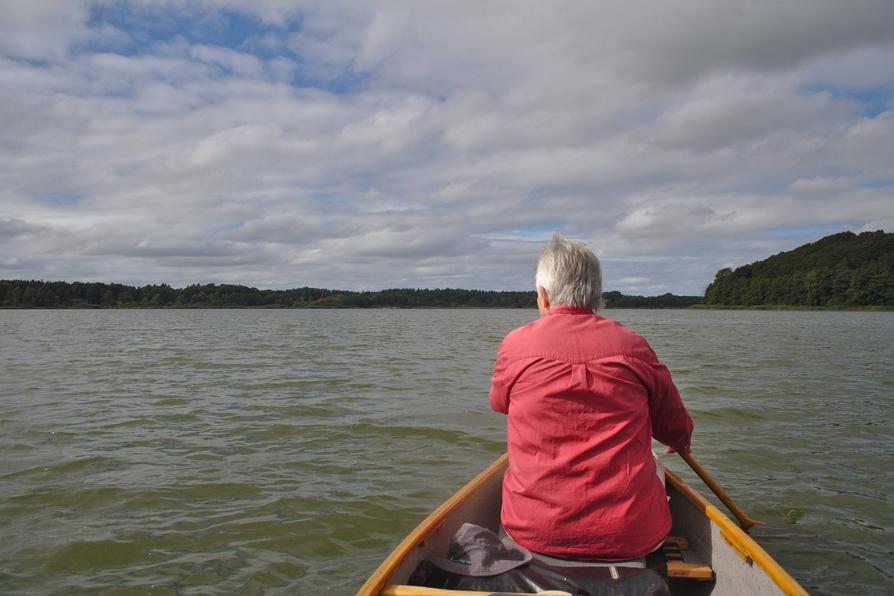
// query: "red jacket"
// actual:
[[584, 396]]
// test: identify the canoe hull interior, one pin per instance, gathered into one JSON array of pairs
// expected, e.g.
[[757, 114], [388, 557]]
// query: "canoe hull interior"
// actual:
[[741, 566]]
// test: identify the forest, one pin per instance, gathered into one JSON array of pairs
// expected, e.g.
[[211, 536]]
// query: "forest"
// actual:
[[842, 270], [60, 294]]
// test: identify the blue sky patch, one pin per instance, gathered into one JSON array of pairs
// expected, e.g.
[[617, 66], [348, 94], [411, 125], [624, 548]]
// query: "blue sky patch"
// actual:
[[874, 100], [880, 183], [538, 233], [150, 27], [61, 199]]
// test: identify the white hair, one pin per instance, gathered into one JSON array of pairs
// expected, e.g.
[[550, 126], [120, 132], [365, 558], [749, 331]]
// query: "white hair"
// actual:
[[570, 273]]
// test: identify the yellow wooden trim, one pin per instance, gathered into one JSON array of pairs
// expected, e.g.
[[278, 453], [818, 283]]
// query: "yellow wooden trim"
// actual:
[[396, 590], [738, 538], [737, 548], [379, 578]]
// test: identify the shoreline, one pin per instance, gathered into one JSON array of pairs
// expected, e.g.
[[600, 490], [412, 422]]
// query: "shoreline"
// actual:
[[777, 307], [790, 307]]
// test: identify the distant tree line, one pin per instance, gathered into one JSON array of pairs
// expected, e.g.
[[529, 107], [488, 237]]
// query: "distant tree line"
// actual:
[[60, 294], [619, 300], [841, 270]]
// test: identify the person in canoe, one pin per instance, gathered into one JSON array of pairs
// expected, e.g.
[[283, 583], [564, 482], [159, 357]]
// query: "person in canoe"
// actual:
[[584, 397]]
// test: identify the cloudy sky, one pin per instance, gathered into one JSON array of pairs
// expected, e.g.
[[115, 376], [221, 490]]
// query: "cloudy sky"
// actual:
[[363, 145]]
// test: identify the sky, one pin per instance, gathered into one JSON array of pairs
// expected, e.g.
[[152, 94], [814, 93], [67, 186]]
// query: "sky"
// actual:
[[370, 145]]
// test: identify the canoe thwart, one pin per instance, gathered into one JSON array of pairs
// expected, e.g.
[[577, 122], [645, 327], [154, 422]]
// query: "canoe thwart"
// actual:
[[675, 543], [398, 590], [683, 570]]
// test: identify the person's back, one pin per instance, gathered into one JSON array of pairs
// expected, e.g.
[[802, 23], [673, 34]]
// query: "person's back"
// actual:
[[584, 397]]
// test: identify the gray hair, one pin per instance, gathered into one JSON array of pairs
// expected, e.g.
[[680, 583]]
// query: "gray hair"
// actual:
[[570, 273]]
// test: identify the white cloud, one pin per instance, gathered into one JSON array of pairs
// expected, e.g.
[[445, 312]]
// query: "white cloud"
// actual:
[[886, 223], [633, 281], [868, 145], [821, 185], [737, 111], [42, 29]]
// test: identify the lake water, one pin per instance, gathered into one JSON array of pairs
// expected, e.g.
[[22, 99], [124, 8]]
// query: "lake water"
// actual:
[[287, 451]]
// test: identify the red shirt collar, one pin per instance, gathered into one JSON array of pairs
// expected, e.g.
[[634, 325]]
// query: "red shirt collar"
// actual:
[[564, 309]]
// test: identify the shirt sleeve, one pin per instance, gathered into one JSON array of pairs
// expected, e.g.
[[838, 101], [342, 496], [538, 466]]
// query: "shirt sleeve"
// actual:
[[499, 392], [671, 423]]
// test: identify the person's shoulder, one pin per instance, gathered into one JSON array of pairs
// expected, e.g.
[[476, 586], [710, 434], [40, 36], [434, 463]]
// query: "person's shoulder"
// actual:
[[520, 333], [632, 342], [617, 327], [521, 340]]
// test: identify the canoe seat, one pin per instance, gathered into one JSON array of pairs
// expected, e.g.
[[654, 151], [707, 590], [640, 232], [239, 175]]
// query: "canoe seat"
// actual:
[[683, 570], [677, 567]]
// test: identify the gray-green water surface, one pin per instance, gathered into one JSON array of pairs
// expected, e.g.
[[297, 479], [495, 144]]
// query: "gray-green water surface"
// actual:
[[257, 451]]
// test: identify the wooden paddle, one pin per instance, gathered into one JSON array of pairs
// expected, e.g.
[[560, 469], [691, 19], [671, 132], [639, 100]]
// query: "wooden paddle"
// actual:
[[744, 521]]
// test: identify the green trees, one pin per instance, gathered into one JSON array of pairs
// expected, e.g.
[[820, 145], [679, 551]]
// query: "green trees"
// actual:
[[618, 300], [42, 294], [836, 271], [30, 294]]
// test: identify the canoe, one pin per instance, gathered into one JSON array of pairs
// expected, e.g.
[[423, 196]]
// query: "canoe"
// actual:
[[706, 552]]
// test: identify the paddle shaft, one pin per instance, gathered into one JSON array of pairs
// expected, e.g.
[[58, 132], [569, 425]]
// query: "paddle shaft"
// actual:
[[744, 520]]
